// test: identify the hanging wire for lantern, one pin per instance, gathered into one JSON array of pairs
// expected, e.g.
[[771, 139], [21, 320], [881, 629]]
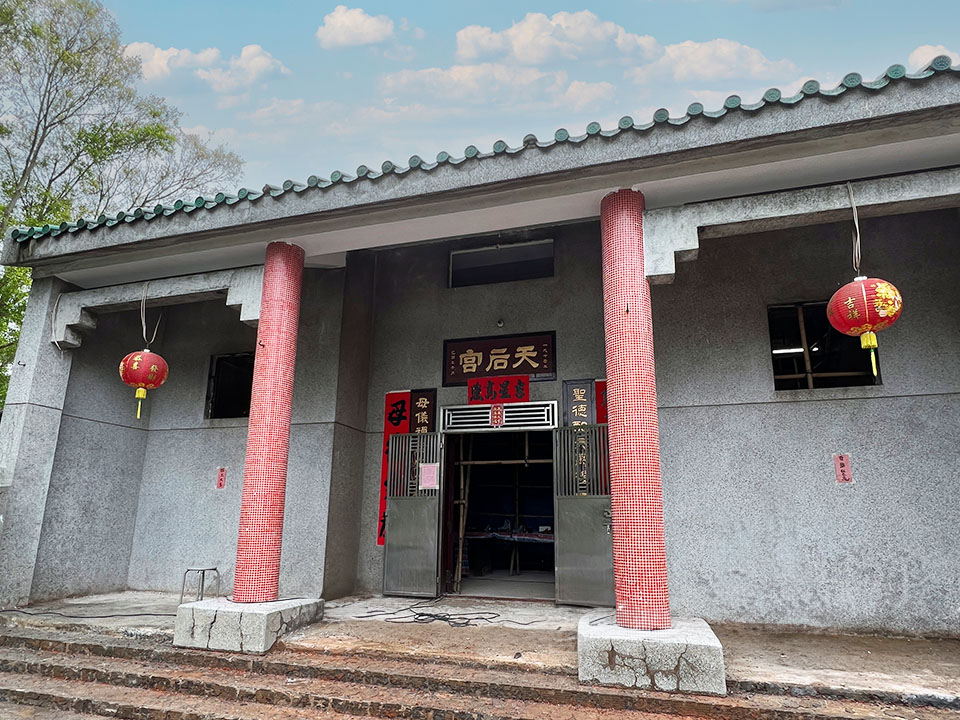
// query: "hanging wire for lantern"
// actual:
[[144, 370], [866, 305]]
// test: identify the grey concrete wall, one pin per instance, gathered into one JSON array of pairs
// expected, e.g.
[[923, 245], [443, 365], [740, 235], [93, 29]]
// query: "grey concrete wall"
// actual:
[[416, 312], [757, 528], [182, 518], [95, 482], [346, 487], [28, 440]]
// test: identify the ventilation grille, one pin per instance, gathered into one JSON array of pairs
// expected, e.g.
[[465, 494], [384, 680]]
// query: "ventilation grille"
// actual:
[[516, 416]]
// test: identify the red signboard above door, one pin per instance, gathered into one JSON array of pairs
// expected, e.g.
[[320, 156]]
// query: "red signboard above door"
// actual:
[[504, 389]]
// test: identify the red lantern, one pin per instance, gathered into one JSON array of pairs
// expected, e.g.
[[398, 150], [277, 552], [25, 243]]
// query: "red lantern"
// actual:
[[862, 307], [143, 370]]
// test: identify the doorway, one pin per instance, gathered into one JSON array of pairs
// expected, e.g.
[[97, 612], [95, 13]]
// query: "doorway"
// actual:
[[498, 518]]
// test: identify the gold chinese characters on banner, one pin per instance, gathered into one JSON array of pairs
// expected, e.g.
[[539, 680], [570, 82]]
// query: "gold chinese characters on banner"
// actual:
[[533, 355]]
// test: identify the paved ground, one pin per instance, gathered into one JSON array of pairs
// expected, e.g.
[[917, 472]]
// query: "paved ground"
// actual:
[[134, 614], [542, 636]]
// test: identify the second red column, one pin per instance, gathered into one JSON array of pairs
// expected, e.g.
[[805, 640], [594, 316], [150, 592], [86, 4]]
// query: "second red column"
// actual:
[[268, 438], [639, 554]]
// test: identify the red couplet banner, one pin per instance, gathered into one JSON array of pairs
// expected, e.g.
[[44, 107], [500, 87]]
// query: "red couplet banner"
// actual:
[[396, 419], [601, 389]]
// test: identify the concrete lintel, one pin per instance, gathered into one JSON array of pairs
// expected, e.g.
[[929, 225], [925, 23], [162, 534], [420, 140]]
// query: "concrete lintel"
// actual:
[[76, 310], [687, 658], [674, 233], [219, 624]]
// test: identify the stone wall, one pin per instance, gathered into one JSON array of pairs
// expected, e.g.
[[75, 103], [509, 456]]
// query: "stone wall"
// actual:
[[416, 311], [758, 530]]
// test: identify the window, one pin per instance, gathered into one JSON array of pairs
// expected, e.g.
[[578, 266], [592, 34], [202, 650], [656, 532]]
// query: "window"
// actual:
[[501, 263], [231, 381], [808, 353]]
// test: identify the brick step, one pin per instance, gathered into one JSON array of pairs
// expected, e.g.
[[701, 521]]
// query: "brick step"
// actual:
[[294, 692], [87, 699], [297, 688], [11, 711]]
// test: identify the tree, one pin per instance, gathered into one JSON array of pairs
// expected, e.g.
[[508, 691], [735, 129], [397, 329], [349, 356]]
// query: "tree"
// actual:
[[14, 287], [76, 136]]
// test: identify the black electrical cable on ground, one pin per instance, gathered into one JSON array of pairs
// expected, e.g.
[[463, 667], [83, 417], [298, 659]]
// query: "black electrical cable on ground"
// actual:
[[87, 617], [454, 620]]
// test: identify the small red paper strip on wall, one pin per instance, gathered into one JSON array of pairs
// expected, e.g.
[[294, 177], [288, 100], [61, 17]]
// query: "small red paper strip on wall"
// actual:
[[396, 419], [841, 465], [509, 389]]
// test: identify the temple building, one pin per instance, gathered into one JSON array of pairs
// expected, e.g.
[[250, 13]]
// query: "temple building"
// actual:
[[595, 369]]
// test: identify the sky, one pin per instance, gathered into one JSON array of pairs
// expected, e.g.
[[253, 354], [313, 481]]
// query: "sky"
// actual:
[[301, 87]]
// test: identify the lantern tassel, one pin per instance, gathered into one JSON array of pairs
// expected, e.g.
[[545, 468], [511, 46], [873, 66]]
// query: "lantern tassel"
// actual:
[[141, 395], [868, 341]]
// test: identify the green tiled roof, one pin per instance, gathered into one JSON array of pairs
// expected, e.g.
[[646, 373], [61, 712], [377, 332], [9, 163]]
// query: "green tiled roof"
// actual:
[[416, 164]]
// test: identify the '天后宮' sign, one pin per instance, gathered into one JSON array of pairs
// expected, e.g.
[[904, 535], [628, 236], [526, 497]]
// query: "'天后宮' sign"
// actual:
[[501, 355], [515, 388]]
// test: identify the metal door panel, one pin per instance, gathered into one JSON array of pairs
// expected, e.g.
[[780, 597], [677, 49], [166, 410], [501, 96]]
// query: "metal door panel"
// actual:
[[411, 548], [584, 551], [583, 539], [411, 557]]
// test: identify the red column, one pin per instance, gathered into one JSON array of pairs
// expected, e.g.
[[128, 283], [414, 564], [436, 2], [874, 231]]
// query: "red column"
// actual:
[[268, 437], [639, 555]]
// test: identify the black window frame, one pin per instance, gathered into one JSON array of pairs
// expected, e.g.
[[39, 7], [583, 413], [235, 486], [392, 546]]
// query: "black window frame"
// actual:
[[807, 376], [534, 269], [213, 388]]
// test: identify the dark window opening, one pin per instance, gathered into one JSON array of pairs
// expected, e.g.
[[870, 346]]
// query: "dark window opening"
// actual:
[[808, 353], [230, 385], [501, 263]]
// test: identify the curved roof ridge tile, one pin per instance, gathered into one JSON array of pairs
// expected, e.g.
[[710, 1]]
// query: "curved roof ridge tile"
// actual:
[[773, 96]]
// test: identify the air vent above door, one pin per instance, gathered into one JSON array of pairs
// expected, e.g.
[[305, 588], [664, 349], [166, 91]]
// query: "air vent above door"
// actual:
[[516, 416]]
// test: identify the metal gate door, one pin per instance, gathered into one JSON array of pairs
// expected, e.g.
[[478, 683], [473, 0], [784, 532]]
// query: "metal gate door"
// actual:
[[584, 543], [411, 545]]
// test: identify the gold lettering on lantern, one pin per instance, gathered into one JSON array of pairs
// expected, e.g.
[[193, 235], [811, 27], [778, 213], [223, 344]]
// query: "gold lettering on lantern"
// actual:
[[470, 360], [526, 353], [852, 312], [499, 357]]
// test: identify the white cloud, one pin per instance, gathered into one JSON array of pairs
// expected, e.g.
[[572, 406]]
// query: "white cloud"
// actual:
[[718, 59], [537, 39], [225, 102], [156, 63], [275, 110], [580, 95], [400, 53], [352, 26], [418, 32], [922, 56], [253, 63], [476, 83]]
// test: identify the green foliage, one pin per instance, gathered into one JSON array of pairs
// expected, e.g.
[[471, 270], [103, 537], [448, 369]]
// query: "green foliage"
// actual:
[[76, 136], [14, 288]]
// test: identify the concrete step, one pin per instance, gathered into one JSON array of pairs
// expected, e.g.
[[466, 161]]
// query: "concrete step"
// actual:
[[87, 699], [12, 711], [101, 686], [296, 680]]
